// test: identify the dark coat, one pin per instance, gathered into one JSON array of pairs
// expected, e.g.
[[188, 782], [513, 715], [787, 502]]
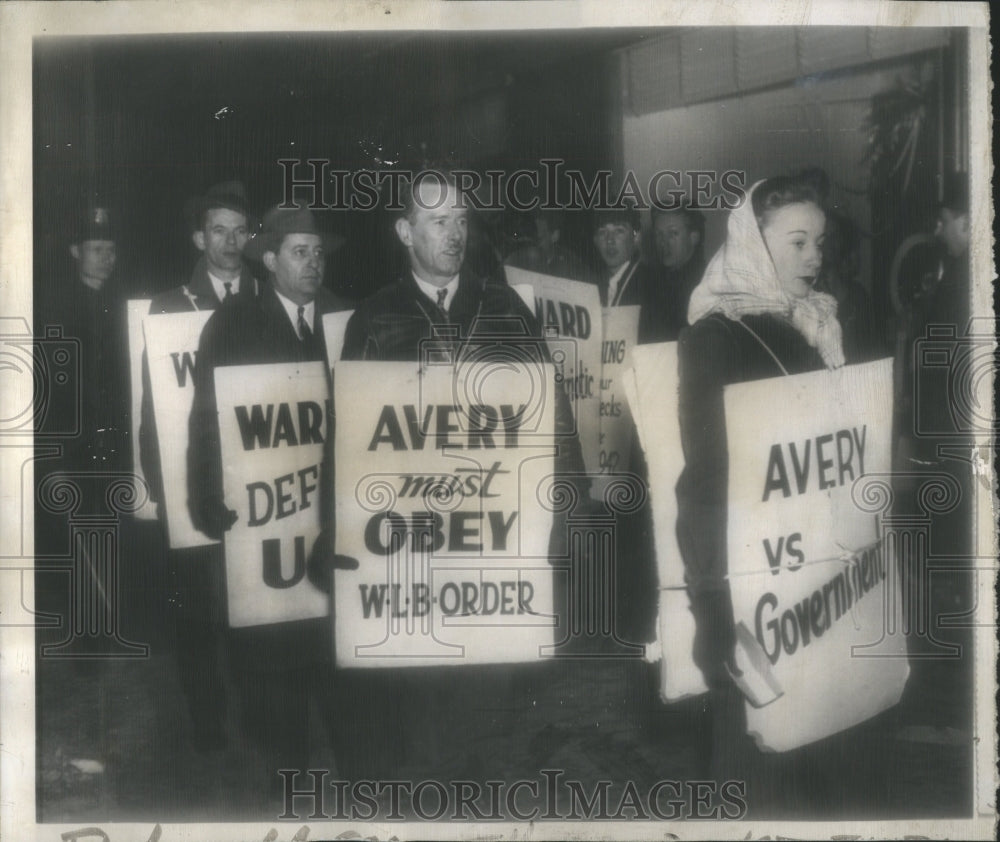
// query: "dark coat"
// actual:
[[665, 304], [662, 312], [713, 353], [249, 331], [197, 294], [633, 286], [391, 324], [99, 401], [254, 331]]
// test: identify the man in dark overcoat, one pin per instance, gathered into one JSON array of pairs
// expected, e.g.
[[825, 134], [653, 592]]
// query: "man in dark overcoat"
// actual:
[[277, 668], [220, 227]]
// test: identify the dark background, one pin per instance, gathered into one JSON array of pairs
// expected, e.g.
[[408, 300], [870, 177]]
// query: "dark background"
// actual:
[[145, 123]]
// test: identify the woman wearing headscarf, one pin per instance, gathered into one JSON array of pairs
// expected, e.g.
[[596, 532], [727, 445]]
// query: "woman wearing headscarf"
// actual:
[[756, 314]]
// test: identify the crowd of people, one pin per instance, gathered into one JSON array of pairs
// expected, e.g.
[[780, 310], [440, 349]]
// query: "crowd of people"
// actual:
[[781, 296]]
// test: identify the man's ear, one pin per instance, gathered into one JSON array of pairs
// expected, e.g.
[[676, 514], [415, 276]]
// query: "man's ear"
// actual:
[[554, 236], [75, 251], [404, 232], [270, 260], [198, 238], [695, 238]]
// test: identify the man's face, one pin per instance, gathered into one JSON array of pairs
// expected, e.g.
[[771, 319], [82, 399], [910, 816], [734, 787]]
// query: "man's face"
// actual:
[[953, 230], [616, 242], [435, 233], [222, 238], [95, 260], [674, 242], [298, 266]]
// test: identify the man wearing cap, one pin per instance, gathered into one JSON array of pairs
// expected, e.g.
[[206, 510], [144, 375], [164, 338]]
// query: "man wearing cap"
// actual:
[[87, 305], [91, 308], [220, 228], [279, 667]]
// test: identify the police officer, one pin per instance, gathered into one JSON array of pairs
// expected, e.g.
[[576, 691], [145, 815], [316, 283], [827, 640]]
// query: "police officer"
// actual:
[[90, 307]]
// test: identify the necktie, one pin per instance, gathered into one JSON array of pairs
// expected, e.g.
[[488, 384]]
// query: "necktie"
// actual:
[[229, 290], [442, 295], [305, 333]]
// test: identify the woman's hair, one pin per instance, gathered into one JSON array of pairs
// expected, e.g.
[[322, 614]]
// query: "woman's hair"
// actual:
[[783, 190]]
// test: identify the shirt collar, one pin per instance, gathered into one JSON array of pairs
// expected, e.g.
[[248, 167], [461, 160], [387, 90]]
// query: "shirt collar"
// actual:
[[431, 291], [292, 309], [219, 285], [615, 280]]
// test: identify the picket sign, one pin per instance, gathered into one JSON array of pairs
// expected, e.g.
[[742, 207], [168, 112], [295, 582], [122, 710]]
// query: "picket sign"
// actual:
[[135, 310], [272, 429], [570, 314], [619, 334], [651, 388], [814, 584], [334, 328], [443, 476], [171, 351]]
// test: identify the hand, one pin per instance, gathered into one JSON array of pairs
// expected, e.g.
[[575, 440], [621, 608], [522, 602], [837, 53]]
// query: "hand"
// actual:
[[215, 518], [323, 561]]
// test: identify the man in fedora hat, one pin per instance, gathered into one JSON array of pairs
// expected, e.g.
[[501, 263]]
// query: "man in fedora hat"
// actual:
[[219, 222], [277, 668]]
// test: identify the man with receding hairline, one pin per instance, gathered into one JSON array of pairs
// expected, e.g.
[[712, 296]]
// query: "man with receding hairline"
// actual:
[[439, 298]]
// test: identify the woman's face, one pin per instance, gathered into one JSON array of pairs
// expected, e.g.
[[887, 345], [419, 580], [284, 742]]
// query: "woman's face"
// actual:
[[794, 238]]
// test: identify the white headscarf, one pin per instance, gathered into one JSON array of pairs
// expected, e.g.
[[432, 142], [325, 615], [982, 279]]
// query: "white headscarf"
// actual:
[[741, 281]]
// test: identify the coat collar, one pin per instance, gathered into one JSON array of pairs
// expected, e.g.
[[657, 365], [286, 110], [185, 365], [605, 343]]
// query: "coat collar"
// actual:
[[466, 299], [201, 285], [627, 280]]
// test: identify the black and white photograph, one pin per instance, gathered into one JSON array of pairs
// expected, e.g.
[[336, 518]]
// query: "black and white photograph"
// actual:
[[447, 420]]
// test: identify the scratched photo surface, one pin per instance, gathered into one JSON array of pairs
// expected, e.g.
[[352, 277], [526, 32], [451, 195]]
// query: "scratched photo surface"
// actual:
[[655, 364]]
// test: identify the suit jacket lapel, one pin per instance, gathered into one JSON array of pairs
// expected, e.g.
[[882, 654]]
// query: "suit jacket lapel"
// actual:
[[627, 278], [278, 325], [200, 286], [603, 285], [465, 303]]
